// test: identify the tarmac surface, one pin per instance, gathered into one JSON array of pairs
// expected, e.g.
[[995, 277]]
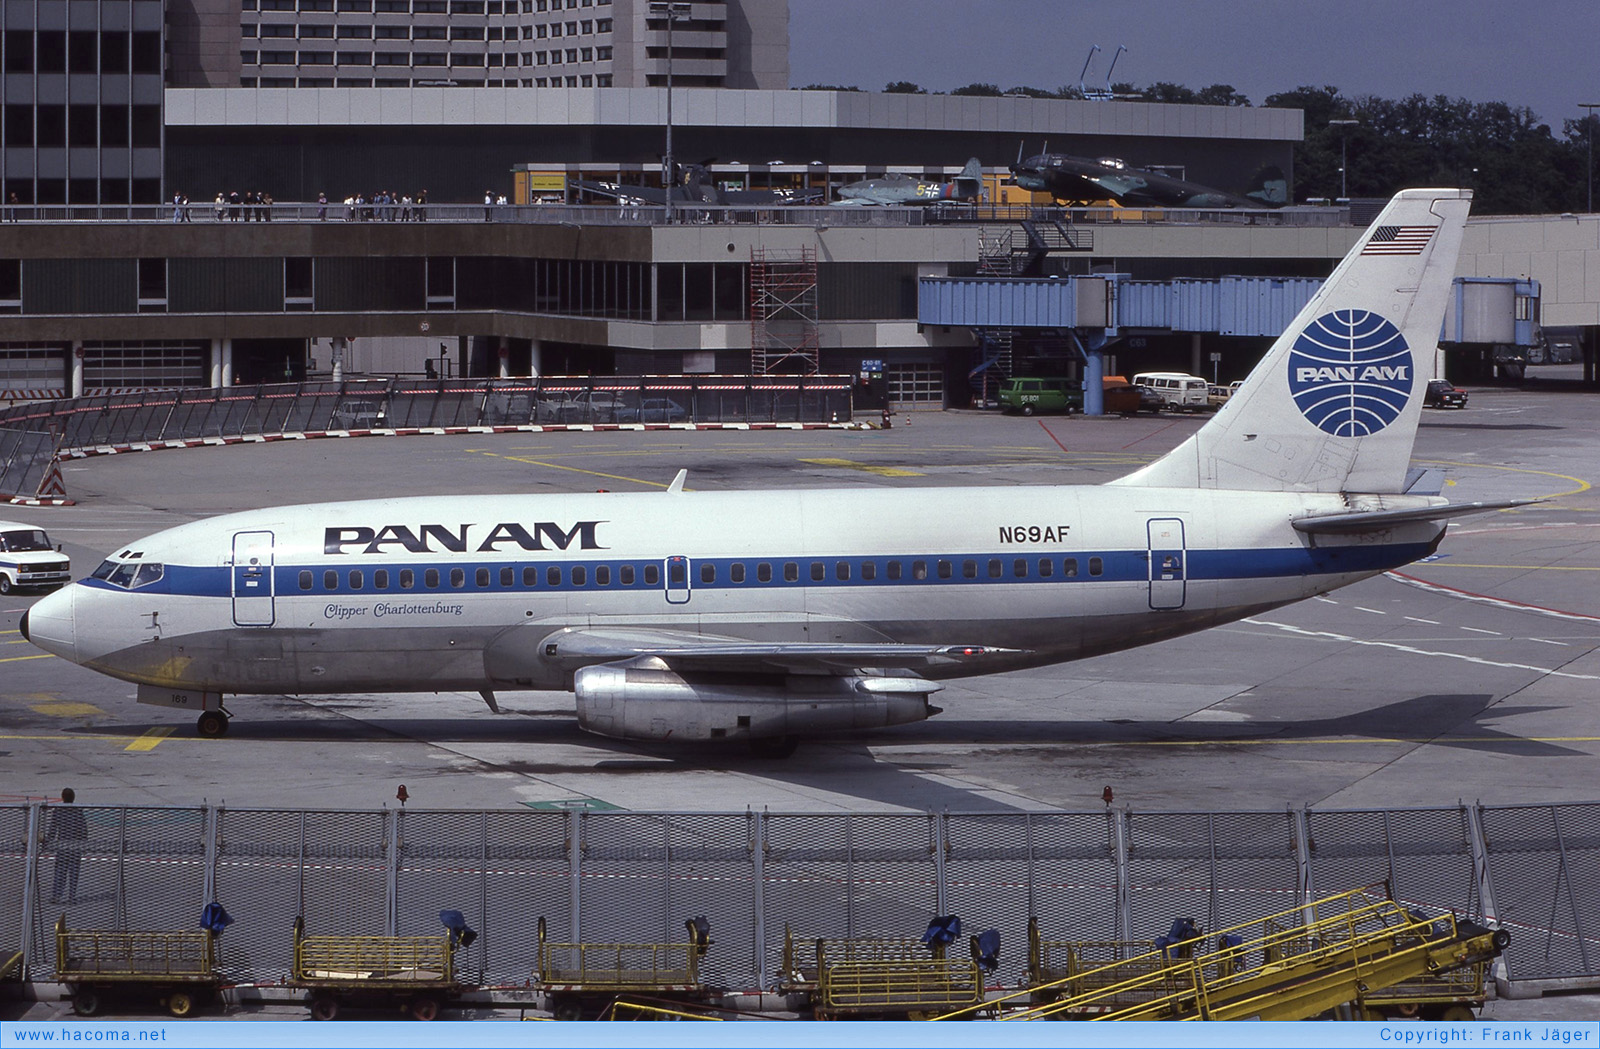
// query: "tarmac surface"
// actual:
[[1471, 676]]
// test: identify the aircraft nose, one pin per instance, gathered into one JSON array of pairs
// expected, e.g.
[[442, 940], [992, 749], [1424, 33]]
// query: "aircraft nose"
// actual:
[[50, 624]]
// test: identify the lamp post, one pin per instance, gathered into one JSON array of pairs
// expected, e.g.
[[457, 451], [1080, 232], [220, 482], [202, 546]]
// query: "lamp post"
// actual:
[[1344, 127], [671, 10], [1588, 125]]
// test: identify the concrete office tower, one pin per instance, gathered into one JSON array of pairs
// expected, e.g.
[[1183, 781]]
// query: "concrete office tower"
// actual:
[[82, 101], [477, 43]]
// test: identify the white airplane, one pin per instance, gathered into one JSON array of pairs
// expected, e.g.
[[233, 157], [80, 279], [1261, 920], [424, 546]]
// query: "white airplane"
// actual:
[[769, 615]]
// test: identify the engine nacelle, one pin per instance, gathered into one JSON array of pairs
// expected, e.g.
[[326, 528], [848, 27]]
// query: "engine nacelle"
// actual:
[[630, 701]]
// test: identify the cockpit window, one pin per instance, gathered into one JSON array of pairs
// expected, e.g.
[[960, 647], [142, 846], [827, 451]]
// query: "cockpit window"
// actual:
[[129, 575], [20, 539]]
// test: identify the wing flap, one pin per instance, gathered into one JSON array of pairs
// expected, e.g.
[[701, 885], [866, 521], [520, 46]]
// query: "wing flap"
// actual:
[[585, 645]]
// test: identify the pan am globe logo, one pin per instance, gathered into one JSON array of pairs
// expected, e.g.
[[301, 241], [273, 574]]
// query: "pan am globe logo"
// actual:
[[1350, 373]]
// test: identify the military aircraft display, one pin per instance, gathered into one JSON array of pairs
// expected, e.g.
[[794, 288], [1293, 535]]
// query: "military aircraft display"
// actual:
[[903, 189], [766, 616], [1082, 179]]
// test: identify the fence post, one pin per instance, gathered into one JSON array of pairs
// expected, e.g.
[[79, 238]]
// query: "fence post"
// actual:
[[575, 820], [1300, 823], [30, 884], [391, 874], [756, 830], [211, 821], [939, 843], [1118, 818]]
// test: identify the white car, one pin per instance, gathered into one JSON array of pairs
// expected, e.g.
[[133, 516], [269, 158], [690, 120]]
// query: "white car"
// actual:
[[28, 560]]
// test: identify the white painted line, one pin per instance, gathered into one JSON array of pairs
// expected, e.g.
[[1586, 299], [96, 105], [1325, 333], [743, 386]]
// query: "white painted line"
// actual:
[[1330, 636], [1430, 622], [1374, 611], [1547, 641], [1480, 630]]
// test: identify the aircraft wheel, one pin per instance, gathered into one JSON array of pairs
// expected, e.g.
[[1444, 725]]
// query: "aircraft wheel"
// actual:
[[324, 1007], [86, 1001], [212, 724], [774, 746], [1027, 409], [180, 1003], [423, 1007]]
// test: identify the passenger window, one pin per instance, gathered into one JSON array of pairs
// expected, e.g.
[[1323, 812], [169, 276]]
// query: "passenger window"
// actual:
[[708, 573], [1019, 568], [408, 579], [919, 570], [552, 576], [869, 570], [819, 571], [652, 575], [736, 572], [995, 568], [969, 569], [1047, 568], [763, 572], [508, 577], [430, 578], [894, 570], [305, 580], [1096, 566], [481, 577], [625, 575], [602, 575], [677, 571], [1069, 567], [530, 576], [380, 579], [356, 579], [330, 580], [841, 571], [458, 578], [946, 569], [791, 572], [580, 575]]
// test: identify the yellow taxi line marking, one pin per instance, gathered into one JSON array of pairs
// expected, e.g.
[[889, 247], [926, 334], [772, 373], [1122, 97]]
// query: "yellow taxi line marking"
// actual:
[[67, 709], [1583, 486], [150, 739], [19, 641], [848, 464], [19, 659], [576, 470]]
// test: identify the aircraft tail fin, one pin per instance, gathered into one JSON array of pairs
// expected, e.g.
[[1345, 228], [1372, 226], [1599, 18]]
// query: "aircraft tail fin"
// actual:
[[970, 181], [1269, 187], [1334, 404]]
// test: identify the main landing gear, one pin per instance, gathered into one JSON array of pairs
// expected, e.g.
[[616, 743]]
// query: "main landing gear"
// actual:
[[213, 724]]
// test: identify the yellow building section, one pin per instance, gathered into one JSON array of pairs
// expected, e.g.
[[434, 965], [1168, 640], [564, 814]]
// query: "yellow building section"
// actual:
[[537, 187], [999, 189]]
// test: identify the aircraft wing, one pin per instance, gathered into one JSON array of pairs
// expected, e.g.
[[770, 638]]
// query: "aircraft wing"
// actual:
[[634, 194], [1377, 520], [581, 646]]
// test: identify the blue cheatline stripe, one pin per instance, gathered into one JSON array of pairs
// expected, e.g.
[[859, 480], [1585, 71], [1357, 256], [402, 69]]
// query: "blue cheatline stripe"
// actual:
[[1115, 566]]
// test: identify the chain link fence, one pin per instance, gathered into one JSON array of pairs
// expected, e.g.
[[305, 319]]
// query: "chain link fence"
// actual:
[[600, 876]]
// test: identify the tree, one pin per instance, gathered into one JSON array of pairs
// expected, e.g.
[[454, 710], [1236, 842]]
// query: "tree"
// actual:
[[903, 87], [1030, 92], [829, 87], [1220, 95], [1162, 91], [986, 90]]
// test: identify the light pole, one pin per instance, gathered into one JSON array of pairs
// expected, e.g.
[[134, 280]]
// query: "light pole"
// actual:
[[1344, 127], [1588, 126], [671, 10]]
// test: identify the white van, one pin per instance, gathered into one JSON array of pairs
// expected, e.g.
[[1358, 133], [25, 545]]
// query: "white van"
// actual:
[[28, 560], [1184, 393]]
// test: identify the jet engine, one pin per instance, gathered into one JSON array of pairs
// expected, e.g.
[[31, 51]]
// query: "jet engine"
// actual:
[[633, 701]]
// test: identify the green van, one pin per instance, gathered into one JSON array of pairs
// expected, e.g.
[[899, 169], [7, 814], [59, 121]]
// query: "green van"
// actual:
[[1041, 395]]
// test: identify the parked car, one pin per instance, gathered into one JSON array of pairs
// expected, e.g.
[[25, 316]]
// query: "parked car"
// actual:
[[28, 560], [588, 406], [654, 410], [1041, 395], [1217, 396], [1124, 398], [1443, 395], [1180, 391]]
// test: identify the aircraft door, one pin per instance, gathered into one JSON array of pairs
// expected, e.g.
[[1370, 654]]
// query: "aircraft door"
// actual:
[[1168, 563], [677, 579], [252, 579]]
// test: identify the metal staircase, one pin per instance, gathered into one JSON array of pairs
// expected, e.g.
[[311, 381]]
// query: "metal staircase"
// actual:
[[783, 311]]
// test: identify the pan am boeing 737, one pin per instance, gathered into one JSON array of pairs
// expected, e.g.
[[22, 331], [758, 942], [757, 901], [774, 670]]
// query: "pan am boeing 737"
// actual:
[[769, 615]]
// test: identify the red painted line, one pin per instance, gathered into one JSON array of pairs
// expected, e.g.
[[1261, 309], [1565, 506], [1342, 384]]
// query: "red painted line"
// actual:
[[1053, 437], [1151, 434]]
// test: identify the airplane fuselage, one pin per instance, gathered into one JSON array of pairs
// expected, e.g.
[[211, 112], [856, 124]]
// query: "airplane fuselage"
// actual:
[[432, 593]]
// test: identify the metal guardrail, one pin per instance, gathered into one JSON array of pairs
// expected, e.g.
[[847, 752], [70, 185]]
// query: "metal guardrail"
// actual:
[[629, 877], [624, 214]]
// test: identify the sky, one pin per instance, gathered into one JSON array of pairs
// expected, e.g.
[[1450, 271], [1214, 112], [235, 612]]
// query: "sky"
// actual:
[[1543, 54]]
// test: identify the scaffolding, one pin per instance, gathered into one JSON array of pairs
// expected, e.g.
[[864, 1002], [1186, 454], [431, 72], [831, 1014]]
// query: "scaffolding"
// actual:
[[783, 311]]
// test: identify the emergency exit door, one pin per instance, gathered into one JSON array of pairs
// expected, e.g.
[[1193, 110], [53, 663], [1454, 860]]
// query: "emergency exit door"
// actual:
[[252, 579], [1168, 563]]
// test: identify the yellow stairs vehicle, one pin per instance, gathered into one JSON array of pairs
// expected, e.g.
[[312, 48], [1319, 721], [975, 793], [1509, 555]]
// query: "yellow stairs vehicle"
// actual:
[[177, 969], [414, 973], [1348, 948], [582, 980], [879, 978]]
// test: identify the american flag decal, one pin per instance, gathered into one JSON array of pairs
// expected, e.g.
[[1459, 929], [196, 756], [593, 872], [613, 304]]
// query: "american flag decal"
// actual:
[[1398, 240]]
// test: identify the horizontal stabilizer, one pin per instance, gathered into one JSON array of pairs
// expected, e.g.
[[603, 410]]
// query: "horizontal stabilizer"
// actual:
[[1377, 520]]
